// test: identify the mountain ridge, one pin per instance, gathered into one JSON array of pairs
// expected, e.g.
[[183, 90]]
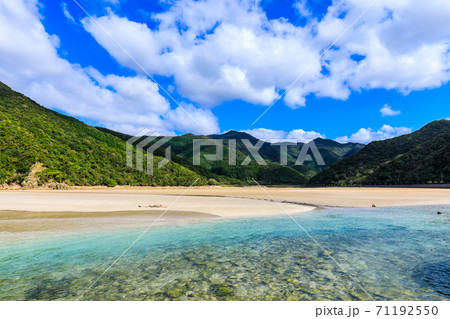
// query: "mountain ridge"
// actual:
[[70, 151], [41, 146], [182, 148], [420, 157]]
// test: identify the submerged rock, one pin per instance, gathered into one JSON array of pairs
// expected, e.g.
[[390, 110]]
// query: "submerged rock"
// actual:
[[174, 293], [223, 291]]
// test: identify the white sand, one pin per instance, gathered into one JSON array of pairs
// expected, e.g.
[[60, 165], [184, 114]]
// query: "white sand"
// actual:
[[100, 201], [125, 207], [333, 196]]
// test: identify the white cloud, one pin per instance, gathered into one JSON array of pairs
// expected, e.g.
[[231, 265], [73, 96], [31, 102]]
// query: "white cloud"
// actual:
[[29, 63], [302, 8], [387, 110], [220, 51], [227, 50], [304, 136], [366, 135], [182, 119], [267, 134], [115, 2], [363, 135], [299, 135], [66, 12]]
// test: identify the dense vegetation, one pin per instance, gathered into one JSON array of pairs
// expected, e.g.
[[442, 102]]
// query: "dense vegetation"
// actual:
[[420, 157], [221, 172], [69, 150], [62, 149], [273, 173]]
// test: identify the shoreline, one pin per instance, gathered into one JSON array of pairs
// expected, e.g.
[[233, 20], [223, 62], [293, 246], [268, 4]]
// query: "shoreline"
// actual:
[[19, 222], [37, 211], [98, 208], [315, 196]]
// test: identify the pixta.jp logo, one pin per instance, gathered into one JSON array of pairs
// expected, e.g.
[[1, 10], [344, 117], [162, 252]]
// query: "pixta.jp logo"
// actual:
[[146, 142], [307, 149]]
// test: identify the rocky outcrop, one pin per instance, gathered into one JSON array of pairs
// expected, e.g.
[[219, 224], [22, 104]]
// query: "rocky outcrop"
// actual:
[[61, 186], [31, 181]]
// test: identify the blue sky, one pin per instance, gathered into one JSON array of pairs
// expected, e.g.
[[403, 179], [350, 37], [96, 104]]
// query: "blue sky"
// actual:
[[225, 62]]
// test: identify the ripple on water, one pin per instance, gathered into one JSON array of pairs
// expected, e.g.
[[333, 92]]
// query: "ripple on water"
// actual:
[[260, 259], [435, 275]]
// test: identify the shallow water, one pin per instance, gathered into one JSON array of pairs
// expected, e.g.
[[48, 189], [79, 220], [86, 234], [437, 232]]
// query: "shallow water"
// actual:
[[392, 253]]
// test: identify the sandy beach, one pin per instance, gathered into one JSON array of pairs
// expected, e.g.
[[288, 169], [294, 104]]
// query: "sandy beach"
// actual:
[[125, 207], [329, 196], [29, 211]]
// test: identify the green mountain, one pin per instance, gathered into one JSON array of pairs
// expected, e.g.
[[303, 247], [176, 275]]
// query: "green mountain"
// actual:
[[39, 146], [273, 173], [420, 157], [51, 147], [331, 151], [221, 171]]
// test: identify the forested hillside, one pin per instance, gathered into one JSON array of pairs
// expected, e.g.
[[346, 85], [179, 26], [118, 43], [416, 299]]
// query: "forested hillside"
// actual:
[[39, 146], [68, 150], [417, 158]]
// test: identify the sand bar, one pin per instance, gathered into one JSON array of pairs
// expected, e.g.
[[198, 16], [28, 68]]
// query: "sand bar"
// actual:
[[28, 211], [121, 207], [124, 200], [329, 196], [332, 196]]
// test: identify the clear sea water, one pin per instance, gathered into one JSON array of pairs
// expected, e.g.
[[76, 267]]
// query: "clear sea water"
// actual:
[[394, 253]]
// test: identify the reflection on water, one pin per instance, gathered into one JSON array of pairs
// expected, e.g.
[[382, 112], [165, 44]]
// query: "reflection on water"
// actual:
[[394, 253]]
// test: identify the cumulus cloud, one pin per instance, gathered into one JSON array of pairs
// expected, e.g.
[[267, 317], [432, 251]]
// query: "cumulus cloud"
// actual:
[[236, 61], [302, 8], [366, 135], [363, 135], [216, 51], [29, 63], [299, 135], [304, 136], [225, 50], [219, 51], [182, 119], [387, 110], [267, 134]]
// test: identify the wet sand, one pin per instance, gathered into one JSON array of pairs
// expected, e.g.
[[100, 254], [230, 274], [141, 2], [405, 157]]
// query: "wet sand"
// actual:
[[46, 222]]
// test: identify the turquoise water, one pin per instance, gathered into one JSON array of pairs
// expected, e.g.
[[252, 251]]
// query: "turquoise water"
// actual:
[[394, 253]]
